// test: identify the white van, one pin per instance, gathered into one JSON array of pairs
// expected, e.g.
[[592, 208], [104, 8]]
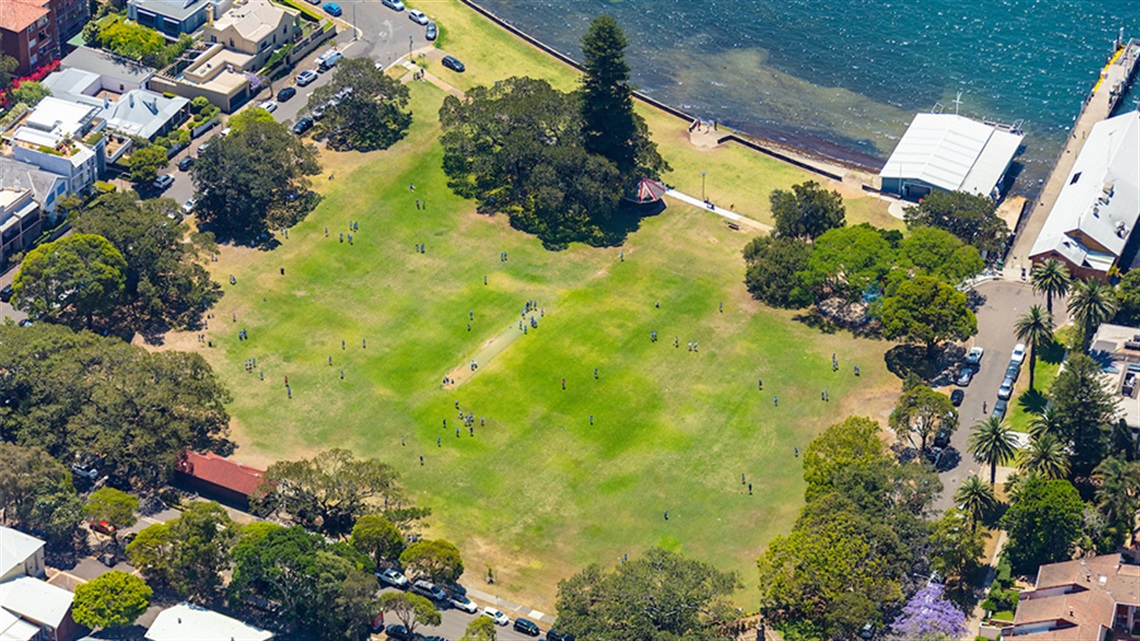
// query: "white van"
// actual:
[[328, 59]]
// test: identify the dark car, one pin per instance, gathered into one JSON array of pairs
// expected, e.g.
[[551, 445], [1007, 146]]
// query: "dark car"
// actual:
[[431, 32], [398, 632], [526, 626], [999, 409], [956, 397], [453, 63], [1013, 371], [286, 93], [965, 377], [185, 163], [303, 125], [555, 635], [942, 438], [6, 294]]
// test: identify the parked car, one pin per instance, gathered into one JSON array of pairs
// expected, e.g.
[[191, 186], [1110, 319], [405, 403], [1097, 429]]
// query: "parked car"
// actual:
[[974, 356], [1018, 353], [122, 484], [397, 632], [527, 627], [286, 93], [554, 635], [328, 59], [83, 470], [956, 397], [393, 578], [1006, 389], [319, 113], [451, 62], [867, 632], [498, 617], [942, 438], [225, 132], [306, 77], [302, 125], [965, 377], [933, 454], [393, 4], [429, 590], [431, 32], [460, 602], [333, 9], [1013, 371], [268, 105], [186, 163], [999, 409], [103, 527], [418, 16], [6, 294], [188, 206], [164, 182], [203, 147]]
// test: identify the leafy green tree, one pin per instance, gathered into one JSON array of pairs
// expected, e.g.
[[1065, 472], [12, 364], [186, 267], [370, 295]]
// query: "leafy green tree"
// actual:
[[113, 506], [516, 148], [480, 629], [112, 600], [926, 310], [773, 266], [437, 560], [852, 444], [188, 553], [1046, 422], [377, 537], [680, 599], [37, 493], [992, 442], [29, 92], [971, 218], [1046, 456], [411, 610], [1051, 278], [1122, 442], [150, 553], [165, 281], [1043, 523], [956, 549], [1034, 327], [975, 497], [71, 280], [807, 211], [373, 116], [145, 164], [8, 66], [240, 121], [848, 261], [923, 412], [1084, 411], [610, 127], [937, 252], [1091, 303], [254, 180], [1118, 492]]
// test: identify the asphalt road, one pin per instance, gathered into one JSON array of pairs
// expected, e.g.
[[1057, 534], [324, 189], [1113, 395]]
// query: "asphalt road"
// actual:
[[455, 622], [1003, 302]]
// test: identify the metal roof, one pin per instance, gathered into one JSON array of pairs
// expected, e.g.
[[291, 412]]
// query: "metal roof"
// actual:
[[15, 546], [186, 622], [36, 600], [953, 152]]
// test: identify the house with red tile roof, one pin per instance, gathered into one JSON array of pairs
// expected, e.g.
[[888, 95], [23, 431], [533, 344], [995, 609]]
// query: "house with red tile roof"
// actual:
[[1080, 600], [219, 478]]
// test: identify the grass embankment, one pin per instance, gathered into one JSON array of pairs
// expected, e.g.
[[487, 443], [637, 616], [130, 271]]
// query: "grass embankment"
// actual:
[[1028, 403]]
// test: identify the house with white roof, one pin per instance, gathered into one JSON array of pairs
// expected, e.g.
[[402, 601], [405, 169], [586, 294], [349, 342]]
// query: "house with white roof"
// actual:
[[1090, 225], [64, 138], [186, 622], [40, 604], [952, 153], [134, 112], [20, 554]]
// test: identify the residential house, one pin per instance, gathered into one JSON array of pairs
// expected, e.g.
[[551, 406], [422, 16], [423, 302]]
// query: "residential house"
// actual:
[[116, 73], [256, 28], [20, 554], [135, 112], [64, 138], [1080, 600], [27, 33], [186, 622], [175, 17], [218, 477], [1117, 349], [38, 603]]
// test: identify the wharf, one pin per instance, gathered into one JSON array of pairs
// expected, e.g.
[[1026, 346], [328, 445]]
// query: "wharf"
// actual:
[[1110, 87]]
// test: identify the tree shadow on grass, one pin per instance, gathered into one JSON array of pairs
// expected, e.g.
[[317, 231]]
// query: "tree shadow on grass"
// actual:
[[1032, 401], [625, 221], [936, 372], [817, 321]]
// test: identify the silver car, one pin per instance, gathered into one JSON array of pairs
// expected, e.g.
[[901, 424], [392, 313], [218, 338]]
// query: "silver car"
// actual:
[[1006, 389]]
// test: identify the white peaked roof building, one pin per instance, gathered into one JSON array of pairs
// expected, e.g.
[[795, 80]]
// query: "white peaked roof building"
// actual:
[[185, 622], [20, 554], [1093, 218], [952, 153]]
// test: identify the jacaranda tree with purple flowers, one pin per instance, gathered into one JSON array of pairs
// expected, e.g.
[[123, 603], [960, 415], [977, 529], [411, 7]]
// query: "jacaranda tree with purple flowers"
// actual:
[[929, 617]]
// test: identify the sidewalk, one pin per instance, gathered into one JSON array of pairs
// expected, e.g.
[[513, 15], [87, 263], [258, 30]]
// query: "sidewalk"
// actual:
[[508, 607], [730, 215]]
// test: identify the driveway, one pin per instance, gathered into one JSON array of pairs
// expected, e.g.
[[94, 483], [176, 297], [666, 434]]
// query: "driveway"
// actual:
[[1003, 302], [455, 622]]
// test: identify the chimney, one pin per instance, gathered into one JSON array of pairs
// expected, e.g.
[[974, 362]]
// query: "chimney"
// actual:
[[131, 97]]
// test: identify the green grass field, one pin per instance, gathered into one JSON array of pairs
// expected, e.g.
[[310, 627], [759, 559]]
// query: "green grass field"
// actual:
[[538, 492]]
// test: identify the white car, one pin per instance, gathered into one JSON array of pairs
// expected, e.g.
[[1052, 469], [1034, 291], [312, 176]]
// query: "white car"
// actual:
[[974, 357], [498, 617], [306, 77], [396, 5], [188, 206], [1006, 389], [1018, 353], [460, 602], [164, 182], [393, 578], [269, 105], [85, 471], [418, 17]]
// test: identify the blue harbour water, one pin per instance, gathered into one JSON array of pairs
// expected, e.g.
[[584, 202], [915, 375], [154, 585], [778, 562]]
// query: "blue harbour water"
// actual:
[[844, 77]]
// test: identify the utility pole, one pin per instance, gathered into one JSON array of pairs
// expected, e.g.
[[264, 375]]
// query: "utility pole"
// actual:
[[703, 186]]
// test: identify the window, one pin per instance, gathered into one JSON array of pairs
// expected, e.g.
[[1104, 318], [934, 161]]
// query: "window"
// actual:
[[1076, 177]]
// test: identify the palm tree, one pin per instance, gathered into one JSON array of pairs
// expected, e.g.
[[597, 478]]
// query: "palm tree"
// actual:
[[1118, 485], [1036, 328], [1091, 303], [992, 442], [1017, 482], [1045, 455], [974, 497], [1052, 279], [1047, 422]]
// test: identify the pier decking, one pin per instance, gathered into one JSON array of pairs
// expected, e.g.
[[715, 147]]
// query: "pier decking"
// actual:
[[1099, 105]]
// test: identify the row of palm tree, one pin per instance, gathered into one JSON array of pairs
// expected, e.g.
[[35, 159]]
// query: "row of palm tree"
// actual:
[[1090, 303]]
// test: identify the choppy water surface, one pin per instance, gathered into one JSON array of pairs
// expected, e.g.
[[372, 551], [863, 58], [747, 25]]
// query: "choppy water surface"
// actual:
[[844, 77]]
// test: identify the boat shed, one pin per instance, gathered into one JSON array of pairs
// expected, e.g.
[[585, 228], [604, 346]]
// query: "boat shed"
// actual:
[[952, 153]]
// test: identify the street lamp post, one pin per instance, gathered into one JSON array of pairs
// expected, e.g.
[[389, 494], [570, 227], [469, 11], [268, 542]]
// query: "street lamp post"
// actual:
[[703, 186]]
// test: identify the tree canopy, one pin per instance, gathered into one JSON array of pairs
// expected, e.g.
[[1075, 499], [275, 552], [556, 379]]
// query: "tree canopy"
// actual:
[[187, 553], [71, 280], [113, 506], [927, 616], [145, 164], [371, 116], [679, 599], [377, 537], [807, 211], [112, 600], [1083, 412], [923, 412], [928, 311], [1043, 523], [37, 493], [437, 560], [254, 180], [412, 610], [848, 261], [772, 270], [970, 217]]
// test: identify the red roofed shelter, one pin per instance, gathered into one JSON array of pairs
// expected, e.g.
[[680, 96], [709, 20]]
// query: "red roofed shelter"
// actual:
[[219, 478]]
